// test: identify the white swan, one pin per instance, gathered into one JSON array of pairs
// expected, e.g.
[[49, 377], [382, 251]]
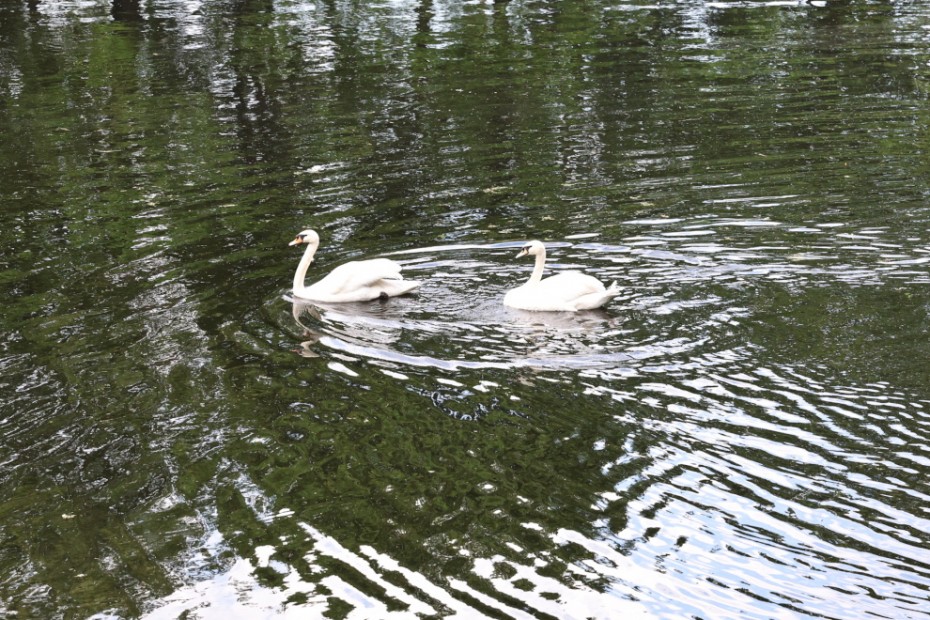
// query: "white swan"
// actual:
[[568, 291], [362, 280]]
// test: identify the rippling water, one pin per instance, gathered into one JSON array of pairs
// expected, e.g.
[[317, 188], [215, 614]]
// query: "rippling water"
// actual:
[[742, 433]]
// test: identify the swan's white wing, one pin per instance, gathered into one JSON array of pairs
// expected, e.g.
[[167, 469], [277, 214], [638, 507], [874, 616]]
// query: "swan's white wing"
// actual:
[[568, 286], [356, 275]]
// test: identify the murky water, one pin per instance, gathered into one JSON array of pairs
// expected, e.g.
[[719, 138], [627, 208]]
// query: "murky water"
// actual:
[[742, 433]]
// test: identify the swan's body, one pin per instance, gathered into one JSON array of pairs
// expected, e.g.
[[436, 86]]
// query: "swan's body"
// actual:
[[569, 291], [362, 280]]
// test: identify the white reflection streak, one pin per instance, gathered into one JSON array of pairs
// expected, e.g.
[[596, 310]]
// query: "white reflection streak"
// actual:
[[420, 582], [236, 595], [619, 569], [463, 587], [330, 546], [808, 546], [192, 25], [318, 47], [577, 602]]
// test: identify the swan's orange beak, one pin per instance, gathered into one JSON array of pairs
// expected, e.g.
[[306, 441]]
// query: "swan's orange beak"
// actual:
[[522, 253], [296, 241]]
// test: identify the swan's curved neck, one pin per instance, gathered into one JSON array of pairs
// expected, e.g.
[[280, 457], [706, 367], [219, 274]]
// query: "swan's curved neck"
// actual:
[[303, 265], [538, 268]]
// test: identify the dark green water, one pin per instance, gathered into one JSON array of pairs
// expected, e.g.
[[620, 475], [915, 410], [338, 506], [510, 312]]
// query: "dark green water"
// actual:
[[742, 433]]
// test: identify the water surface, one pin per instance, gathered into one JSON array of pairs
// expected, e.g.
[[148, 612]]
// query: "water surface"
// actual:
[[742, 433]]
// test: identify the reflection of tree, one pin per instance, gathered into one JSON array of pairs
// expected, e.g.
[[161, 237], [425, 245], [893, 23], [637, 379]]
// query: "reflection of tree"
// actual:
[[126, 10], [424, 488], [258, 60], [424, 15], [102, 145]]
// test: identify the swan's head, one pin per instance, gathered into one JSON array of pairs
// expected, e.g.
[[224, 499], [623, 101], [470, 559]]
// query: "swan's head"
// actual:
[[306, 236], [533, 248]]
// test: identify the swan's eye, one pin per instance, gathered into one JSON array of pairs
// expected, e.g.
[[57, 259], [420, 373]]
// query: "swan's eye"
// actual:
[[527, 248]]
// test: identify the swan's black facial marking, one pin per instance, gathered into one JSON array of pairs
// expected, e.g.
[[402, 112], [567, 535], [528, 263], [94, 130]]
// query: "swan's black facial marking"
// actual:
[[527, 248]]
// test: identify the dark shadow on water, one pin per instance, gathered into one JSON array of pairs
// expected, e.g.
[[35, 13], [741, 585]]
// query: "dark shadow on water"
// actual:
[[126, 10]]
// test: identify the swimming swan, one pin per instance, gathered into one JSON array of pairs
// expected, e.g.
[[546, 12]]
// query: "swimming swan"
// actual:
[[568, 291], [362, 280]]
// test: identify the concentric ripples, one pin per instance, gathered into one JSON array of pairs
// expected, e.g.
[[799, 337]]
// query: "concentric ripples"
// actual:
[[720, 480], [671, 267], [751, 485]]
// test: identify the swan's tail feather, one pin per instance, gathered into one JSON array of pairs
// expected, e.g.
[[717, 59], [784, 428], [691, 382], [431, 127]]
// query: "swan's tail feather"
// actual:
[[596, 300], [396, 287], [612, 291]]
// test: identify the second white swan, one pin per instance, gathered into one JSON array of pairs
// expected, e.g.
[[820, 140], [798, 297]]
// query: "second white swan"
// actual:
[[362, 280], [568, 291]]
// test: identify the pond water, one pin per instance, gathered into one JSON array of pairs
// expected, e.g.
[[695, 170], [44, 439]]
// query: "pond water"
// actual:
[[741, 433]]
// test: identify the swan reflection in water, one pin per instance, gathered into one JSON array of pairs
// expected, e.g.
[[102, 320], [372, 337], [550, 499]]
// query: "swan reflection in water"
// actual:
[[563, 321], [501, 338], [312, 336], [361, 322]]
